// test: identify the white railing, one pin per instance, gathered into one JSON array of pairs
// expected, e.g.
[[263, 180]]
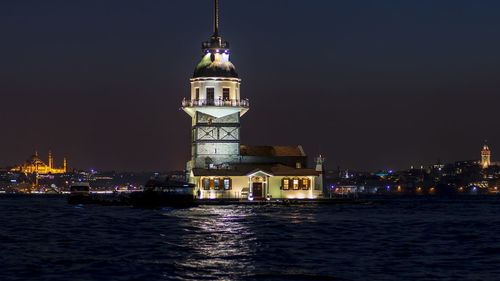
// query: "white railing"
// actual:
[[230, 103]]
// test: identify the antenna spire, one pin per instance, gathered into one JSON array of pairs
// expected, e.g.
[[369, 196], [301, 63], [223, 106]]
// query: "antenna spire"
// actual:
[[216, 18]]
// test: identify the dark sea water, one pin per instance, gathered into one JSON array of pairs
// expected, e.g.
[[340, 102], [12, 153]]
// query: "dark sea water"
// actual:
[[405, 239]]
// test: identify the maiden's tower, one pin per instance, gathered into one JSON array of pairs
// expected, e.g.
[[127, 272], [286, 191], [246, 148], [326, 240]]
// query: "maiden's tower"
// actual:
[[220, 166]]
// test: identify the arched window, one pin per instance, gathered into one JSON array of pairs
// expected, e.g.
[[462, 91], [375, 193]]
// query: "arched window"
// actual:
[[296, 184], [285, 184], [217, 184]]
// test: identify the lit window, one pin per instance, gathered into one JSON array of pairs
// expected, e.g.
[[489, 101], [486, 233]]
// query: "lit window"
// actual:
[[295, 184], [216, 184], [286, 184], [305, 184], [227, 183], [206, 184]]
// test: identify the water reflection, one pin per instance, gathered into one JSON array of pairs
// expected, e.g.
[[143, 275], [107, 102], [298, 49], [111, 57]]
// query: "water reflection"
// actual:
[[219, 244], [396, 240]]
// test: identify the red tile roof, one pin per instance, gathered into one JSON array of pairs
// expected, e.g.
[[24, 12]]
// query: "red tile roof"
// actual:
[[272, 151]]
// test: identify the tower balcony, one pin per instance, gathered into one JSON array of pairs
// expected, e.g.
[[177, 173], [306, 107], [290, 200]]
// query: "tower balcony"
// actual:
[[244, 103], [216, 108]]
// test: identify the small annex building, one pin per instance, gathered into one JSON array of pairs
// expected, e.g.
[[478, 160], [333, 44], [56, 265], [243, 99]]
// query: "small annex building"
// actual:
[[264, 172]]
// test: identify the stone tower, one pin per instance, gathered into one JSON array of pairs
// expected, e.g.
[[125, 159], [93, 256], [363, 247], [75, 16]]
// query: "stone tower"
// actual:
[[485, 156], [215, 105]]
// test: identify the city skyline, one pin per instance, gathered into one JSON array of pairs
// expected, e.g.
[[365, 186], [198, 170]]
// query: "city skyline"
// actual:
[[106, 93]]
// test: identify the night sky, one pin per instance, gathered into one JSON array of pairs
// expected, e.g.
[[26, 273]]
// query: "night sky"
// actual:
[[370, 84]]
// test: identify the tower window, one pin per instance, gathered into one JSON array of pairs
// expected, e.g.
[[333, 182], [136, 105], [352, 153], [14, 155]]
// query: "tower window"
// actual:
[[225, 94], [210, 96]]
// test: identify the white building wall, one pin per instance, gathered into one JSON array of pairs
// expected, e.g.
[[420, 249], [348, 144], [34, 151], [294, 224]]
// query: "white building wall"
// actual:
[[241, 184], [232, 84]]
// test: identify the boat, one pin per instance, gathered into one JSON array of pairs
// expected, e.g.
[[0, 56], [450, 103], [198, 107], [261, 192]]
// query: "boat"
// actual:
[[79, 193], [164, 192]]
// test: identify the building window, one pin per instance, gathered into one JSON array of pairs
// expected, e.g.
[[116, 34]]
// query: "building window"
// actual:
[[216, 184], [305, 184], [286, 184], [210, 96], [296, 184], [227, 184], [225, 94], [206, 184], [197, 94]]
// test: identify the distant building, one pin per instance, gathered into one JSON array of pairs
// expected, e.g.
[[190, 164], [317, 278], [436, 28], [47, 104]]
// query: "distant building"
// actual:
[[220, 166], [485, 157], [34, 165]]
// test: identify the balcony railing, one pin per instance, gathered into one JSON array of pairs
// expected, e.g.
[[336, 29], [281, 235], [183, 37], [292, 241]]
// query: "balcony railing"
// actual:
[[222, 103]]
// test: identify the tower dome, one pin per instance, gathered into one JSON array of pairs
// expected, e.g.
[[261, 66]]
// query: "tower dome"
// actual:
[[215, 61], [215, 64]]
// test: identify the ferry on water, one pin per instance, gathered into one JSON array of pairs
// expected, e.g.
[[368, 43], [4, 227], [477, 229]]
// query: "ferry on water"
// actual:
[[164, 192], [79, 193], [158, 193]]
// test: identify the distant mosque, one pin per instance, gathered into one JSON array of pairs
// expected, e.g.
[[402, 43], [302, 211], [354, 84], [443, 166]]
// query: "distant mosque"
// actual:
[[34, 165], [221, 167]]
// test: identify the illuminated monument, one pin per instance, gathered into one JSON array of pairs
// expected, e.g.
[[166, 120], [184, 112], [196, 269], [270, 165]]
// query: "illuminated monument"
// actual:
[[220, 166], [34, 165], [215, 105], [486, 157]]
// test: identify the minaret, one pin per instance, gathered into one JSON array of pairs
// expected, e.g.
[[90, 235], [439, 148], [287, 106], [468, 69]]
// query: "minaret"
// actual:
[[51, 161], [215, 105], [65, 165], [485, 156]]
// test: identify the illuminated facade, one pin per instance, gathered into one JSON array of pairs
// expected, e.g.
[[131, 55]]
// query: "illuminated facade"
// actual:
[[220, 166], [34, 165], [486, 157]]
